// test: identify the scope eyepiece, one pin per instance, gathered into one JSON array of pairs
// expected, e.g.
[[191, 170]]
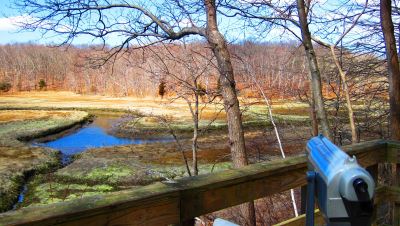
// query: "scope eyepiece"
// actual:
[[360, 210], [361, 189]]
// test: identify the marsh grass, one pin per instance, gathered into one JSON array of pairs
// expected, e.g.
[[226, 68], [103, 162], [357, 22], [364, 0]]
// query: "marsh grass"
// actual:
[[17, 160], [116, 168]]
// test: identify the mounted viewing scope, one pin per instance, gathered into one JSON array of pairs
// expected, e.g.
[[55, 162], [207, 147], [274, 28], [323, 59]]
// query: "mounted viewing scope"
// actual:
[[344, 190]]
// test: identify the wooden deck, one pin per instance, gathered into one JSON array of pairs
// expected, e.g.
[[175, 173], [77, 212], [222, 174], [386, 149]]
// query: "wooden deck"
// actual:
[[175, 203]]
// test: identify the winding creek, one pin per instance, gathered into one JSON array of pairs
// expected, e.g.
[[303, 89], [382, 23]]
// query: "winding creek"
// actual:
[[93, 135]]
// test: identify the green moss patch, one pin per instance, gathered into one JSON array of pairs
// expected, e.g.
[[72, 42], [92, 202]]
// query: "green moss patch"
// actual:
[[48, 189], [16, 164], [18, 160]]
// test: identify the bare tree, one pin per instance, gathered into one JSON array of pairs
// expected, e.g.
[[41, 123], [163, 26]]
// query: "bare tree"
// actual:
[[148, 23], [281, 14], [183, 71], [250, 72], [314, 70], [394, 86], [343, 77], [393, 67]]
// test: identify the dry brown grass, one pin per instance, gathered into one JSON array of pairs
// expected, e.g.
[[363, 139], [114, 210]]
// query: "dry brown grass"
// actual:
[[21, 115], [148, 105], [14, 158]]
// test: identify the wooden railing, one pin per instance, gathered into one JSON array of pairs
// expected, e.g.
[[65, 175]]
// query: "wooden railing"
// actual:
[[176, 203]]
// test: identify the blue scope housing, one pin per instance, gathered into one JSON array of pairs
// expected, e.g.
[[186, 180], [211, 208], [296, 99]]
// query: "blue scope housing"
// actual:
[[344, 189]]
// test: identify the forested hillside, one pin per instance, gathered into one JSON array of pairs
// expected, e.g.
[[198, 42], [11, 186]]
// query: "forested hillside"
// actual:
[[280, 68]]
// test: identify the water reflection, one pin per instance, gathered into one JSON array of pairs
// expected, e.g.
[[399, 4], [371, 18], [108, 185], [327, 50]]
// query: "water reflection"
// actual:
[[94, 136]]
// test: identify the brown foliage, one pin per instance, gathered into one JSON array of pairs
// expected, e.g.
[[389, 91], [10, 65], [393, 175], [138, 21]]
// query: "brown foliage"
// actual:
[[74, 69]]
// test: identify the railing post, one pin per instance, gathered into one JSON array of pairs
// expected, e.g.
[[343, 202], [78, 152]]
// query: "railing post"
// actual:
[[393, 148], [373, 170], [396, 214], [393, 159]]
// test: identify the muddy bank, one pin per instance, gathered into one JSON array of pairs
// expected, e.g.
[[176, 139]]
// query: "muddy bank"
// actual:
[[134, 125], [19, 160], [116, 168], [109, 169]]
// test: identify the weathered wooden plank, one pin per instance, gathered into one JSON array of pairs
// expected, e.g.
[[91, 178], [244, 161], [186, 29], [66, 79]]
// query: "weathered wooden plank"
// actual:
[[251, 183], [391, 193], [150, 205], [385, 194], [393, 156], [396, 214], [214, 192], [393, 152], [301, 220], [162, 204], [368, 153], [373, 170], [380, 195]]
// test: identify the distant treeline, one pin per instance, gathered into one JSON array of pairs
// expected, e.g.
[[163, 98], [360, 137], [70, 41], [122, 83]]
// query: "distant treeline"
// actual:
[[280, 69]]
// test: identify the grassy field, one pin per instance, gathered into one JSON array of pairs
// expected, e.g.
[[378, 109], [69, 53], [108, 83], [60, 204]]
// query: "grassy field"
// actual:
[[146, 110], [147, 106], [29, 115]]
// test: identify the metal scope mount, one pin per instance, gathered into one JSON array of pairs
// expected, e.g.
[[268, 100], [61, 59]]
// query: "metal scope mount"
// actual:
[[344, 189]]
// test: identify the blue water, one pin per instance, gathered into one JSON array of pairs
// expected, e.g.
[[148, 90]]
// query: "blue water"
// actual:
[[93, 136], [89, 137]]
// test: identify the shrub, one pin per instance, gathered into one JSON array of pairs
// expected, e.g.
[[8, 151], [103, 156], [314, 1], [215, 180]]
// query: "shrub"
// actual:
[[5, 86], [161, 89], [42, 84]]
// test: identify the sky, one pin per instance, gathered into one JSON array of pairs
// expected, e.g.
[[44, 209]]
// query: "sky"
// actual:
[[10, 32]]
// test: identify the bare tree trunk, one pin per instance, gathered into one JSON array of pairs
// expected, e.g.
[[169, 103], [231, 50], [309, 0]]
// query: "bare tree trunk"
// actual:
[[354, 137], [228, 88], [316, 84], [313, 115], [347, 95], [394, 90], [195, 134], [393, 67], [231, 102], [271, 118]]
